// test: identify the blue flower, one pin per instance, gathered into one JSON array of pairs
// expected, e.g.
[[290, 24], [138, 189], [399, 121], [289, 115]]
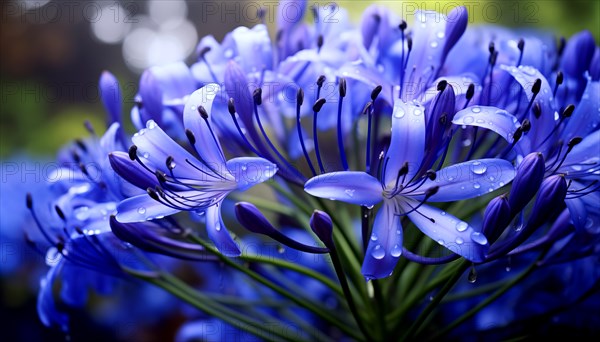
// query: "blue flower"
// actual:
[[404, 191], [184, 182]]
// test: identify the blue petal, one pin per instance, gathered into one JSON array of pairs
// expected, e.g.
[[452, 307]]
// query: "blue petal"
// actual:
[[154, 146], [175, 80], [469, 179], [408, 140], [578, 54], [455, 27], [584, 158], [218, 233], [586, 117], [251, 47], [141, 208], [249, 171], [131, 170], [348, 186], [152, 95], [492, 118], [385, 243], [577, 210], [207, 144], [543, 126], [448, 231], [46, 306]]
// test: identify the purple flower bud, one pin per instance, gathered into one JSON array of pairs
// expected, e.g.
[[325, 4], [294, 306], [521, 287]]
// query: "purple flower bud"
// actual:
[[527, 181], [549, 201], [578, 54], [111, 96], [321, 224], [595, 66], [152, 95], [496, 218], [253, 220]]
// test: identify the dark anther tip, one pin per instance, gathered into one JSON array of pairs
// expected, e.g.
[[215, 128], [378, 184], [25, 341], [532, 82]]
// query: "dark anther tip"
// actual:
[[376, 92], [537, 86], [321, 80], [518, 134], [403, 25], [537, 110], [132, 152], [441, 86], [432, 191], [492, 48], [320, 41], [342, 87], [559, 77], [81, 145], [574, 141], [152, 193], [521, 44], [29, 201], [257, 96], [470, 91], [203, 113], [299, 97], [60, 213], [161, 176], [319, 104], [568, 111], [409, 43], [367, 108], [83, 169], [231, 106], [431, 174], [190, 136], [204, 51], [526, 125], [169, 162]]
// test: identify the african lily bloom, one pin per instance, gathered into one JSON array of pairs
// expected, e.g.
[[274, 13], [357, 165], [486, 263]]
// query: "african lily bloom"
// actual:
[[404, 191], [184, 182]]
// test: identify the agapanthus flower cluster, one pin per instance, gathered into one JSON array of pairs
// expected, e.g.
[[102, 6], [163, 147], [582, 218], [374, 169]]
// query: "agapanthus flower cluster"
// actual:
[[367, 181]]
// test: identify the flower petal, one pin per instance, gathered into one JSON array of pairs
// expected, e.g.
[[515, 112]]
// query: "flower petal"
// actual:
[[385, 243], [450, 232], [408, 140], [469, 179], [492, 118], [586, 117], [354, 187], [218, 233], [206, 144], [249, 171], [142, 208]]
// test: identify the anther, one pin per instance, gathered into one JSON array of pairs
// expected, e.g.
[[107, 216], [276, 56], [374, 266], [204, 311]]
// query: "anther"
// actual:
[[431, 191], [60, 213], [537, 110], [204, 51], [470, 92], [319, 42], [537, 86], [367, 108], [190, 136], [299, 97], [257, 96], [160, 176], [203, 113], [342, 87], [29, 201], [574, 141], [231, 106], [132, 152], [320, 81], [491, 48], [319, 104], [442, 85], [526, 125], [431, 174], [376, 92], [81, 145], [152, 193], [169, 163], [521, 44], [568, 111], [402, 25]]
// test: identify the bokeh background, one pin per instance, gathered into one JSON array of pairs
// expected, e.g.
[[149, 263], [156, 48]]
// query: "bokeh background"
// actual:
[[52, 53]]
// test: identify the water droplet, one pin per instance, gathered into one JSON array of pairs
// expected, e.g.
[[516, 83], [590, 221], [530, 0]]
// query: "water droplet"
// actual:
[[280, 249], [228, 53], [433, 44], [507, 268], [443, 213], [97, 231], [150, 124], [459, 241], [466, 142], [373, 237], [478, 168], [244, 168], [480, 121], [441, 34], [491, 189], [479, 238], [462, 226], [146, 155], [399, 113], [398, 232], [472, 275], [476, 109], [172, 165], [349, 192], [141, 210], [417, 112], [396, 251], [441, 242], [378, 253], [468, 120], [501, 183], [476, 185], [218, 227]]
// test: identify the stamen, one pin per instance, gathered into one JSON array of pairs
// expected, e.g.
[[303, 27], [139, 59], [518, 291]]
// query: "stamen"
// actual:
[[535, 89], [342, 91], [469, 95], [368, 110], [204, 114], [60, 213], [257, 95], [231, 108], [81, 145], [316, 108], [202, 56], [319, 43], [559, 81], [521, 46], [299, 101], [572, 143]]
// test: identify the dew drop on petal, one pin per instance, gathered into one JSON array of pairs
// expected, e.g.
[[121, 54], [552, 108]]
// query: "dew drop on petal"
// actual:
[[218, 227], [441, 34], [396, 251], [417, 112], [476, 109], [373, 237], [141, 210], [378, 253], [459, 241], [479, 238], [472, 275], [462, 226], [349, 192], [433, 44], [468, 120], [478, 168], [476, 185], [146, 155], [150, 124], [441, 242], [399, 113]]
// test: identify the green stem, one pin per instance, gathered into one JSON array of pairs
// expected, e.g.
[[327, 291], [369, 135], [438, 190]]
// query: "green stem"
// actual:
[[435, 301], [303, 302]]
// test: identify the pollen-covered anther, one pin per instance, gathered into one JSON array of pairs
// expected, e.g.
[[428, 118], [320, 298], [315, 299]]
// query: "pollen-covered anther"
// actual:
[[376, 92], [568, 111], [319, 104], [442, 85], [231, 106], [203, 113], [190, 136], [257, 96], [537, 86]]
